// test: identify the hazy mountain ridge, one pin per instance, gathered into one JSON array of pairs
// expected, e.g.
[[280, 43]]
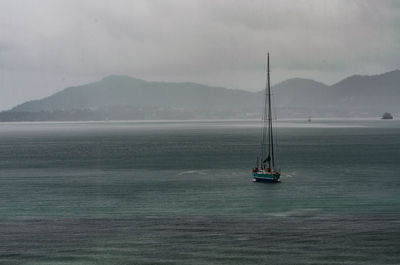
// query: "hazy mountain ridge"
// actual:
[[122, 90], [300, 92], [123, 97], [376, 91]]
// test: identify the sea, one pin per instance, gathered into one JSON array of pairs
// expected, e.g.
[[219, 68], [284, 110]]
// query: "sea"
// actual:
[[181, 192]]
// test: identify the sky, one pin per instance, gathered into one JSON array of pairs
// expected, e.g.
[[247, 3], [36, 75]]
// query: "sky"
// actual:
[[48, 45]]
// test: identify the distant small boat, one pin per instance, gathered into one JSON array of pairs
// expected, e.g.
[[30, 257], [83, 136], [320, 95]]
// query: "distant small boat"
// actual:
[[309, 119], [267, 171], [387, 116]]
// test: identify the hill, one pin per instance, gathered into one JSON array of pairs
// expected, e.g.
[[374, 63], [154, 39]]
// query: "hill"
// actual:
[[374, 92], [123, 97], [126, 91]]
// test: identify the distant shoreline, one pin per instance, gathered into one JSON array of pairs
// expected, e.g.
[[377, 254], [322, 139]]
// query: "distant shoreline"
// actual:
[[316, 119]]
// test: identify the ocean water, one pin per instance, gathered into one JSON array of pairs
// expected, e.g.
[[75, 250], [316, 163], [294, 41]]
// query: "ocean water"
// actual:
[[181, 192]]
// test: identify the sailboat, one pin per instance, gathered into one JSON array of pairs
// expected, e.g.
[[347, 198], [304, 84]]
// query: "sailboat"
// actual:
[[265, 169]]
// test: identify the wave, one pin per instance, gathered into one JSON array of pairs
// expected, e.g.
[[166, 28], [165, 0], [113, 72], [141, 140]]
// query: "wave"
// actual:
[[291, 174], [190, 172]]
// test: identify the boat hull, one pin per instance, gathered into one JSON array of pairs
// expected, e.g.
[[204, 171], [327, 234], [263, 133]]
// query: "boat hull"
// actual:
[[266, 177]]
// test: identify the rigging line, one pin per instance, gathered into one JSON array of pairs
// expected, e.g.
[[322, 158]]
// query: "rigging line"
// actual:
[[267, 112], [263, 144], [275, 122], [263, 140]]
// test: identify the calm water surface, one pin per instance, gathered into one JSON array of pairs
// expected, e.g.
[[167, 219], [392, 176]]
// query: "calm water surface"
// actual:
[[181, 193]]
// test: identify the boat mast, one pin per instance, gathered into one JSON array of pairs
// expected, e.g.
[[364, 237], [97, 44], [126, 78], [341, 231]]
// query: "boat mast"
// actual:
[[270, 158], [263, 156], [267, 149]]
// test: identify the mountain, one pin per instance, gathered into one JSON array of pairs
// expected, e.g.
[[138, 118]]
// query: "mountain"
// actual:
[[299, 92], [357, 95], [126, 91], [374, 92], [123, 97]]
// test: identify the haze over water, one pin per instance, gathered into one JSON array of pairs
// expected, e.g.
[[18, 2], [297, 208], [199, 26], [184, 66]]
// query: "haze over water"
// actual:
[[181, 193]]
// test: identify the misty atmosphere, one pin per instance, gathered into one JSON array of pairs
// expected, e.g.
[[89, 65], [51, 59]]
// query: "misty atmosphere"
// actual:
[[329, 58], [197, 132]]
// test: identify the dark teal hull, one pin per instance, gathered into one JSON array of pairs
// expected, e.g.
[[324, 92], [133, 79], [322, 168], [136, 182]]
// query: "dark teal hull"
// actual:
[[266, 177]]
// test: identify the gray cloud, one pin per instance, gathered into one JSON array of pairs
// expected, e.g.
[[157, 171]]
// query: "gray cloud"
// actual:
[[46, 45]]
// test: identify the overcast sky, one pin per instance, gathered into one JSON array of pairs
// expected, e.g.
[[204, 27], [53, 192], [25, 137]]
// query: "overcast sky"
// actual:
[[47, 45]]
